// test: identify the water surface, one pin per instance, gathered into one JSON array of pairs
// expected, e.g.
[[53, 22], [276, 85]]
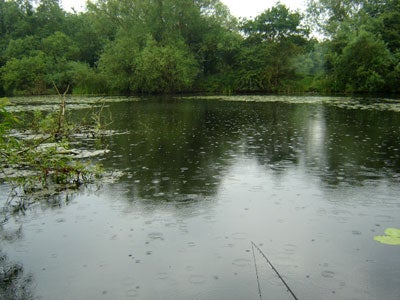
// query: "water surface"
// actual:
[[309, 180]]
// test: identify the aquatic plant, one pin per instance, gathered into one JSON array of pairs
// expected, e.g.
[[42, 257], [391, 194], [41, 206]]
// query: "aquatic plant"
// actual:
[[391, 237], [41, 164]]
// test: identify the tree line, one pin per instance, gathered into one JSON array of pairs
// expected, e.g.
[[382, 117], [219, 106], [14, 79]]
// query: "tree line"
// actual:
[[173, 46]]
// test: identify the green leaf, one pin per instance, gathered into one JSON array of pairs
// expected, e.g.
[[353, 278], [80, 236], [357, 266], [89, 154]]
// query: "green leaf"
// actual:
[[387, 240], [392, 237], [393, 232], [4, 102]]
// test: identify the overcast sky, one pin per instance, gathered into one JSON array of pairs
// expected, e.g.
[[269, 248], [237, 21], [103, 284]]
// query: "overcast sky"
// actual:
[[238, 8]]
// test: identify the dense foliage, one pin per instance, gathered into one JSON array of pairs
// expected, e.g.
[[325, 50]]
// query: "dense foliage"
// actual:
[[169, 46], [362, 49]]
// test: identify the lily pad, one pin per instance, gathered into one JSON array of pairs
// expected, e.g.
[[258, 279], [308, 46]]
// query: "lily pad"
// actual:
[[392, 237], [394, 232]]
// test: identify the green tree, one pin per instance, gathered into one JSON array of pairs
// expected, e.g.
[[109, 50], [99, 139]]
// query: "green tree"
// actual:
[[18, 48], [327, 16], [273, 40], [164, 69], [364, 64], [164, 43], [117, 64], [15, 19], [218, 43], [59, 47], [362, 43], [15, 23], [49, 17], [34, 65], [275, 25], [79, 27], [26, 75], [85, 79]]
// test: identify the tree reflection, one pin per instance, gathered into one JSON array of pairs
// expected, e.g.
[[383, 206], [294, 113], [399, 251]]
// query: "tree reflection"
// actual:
[[360, 145], [15, 284], [183, 148], [179, 150]]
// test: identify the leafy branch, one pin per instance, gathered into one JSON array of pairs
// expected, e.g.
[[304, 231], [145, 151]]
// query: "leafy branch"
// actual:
[[36, 168]]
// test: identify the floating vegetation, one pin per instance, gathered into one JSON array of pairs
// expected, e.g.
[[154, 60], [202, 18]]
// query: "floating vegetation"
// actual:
[[341, 102], [391, 237], [37, 160], [51, 103]]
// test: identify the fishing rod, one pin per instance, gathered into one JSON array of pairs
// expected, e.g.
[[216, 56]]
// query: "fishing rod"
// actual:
[[273, 268], [258, 279]]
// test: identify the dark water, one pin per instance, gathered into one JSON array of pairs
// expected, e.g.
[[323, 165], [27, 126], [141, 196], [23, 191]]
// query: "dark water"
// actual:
[[311, 181]]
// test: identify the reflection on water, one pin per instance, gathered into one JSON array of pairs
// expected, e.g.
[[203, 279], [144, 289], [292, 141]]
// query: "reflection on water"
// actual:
[[14, 283], [309, 182], [178, 149]]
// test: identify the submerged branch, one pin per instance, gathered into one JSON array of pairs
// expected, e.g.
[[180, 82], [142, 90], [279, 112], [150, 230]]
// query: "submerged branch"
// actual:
[[61, 115], [37, 169]]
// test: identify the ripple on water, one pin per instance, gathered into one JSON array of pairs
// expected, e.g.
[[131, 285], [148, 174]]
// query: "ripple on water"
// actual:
[[197, 279], [383, 218], [275, 281], [289, 249], [239, 235], [209, 218], [241, 262], [162, 275], [132, 293], [128, 281], [328, 274], [189, 268], [341, 212], [156, 236]]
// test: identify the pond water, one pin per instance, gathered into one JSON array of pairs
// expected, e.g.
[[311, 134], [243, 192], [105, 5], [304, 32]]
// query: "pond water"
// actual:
[[309, 180]]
